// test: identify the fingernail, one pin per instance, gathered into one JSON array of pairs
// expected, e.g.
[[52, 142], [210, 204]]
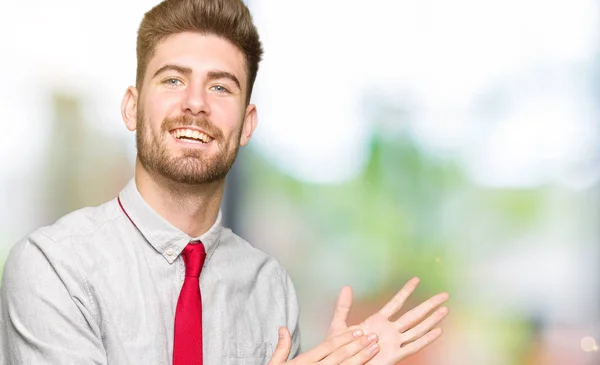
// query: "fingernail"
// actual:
[[372, 337], [357, 333], [374, 348]]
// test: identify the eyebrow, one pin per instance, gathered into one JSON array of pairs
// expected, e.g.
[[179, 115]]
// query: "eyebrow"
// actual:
[[180, 69], [215, 75], [212, 75]]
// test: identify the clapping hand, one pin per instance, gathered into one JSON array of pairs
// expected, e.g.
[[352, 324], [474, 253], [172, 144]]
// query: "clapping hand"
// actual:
[[400, 338], [349, 347]]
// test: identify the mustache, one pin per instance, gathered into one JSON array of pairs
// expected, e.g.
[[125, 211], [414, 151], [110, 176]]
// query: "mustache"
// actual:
[[188, 121]]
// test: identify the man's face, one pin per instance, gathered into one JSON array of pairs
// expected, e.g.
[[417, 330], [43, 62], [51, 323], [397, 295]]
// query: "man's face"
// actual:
[[191, 111]]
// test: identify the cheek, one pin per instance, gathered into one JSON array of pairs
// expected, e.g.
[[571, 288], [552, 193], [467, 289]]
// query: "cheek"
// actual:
[[227, 116], [157, 108]]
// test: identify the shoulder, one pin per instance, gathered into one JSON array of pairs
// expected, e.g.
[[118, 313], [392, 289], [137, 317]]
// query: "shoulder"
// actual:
[[53, 248], [245, 254], [82, 222]]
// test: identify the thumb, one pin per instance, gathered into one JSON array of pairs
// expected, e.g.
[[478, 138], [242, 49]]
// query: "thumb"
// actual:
[[340, 316], [284, 345]]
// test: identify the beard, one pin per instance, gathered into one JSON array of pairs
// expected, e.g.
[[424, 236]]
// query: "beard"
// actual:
[[193, 166]]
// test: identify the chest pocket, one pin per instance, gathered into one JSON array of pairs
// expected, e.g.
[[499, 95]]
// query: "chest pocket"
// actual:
[[247, 353]]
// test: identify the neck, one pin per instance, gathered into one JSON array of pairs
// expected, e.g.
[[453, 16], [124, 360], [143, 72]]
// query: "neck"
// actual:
[[192, 209]]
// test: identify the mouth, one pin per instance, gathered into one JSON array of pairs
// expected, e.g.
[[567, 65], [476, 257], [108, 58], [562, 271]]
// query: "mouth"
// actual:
[[191, 135]]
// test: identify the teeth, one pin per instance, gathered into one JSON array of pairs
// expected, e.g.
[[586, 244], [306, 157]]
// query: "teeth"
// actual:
[[189, 133]]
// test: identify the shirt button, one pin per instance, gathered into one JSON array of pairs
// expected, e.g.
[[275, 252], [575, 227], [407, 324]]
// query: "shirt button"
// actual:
[[170, 252]]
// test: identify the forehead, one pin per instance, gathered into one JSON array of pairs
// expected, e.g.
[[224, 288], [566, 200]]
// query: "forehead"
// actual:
[[201, 53]]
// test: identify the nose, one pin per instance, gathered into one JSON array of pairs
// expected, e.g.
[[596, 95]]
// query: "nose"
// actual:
[[195, 101]]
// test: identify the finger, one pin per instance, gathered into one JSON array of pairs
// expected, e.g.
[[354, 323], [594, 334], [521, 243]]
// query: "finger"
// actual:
[[332, 344], [340, 316], [284, 345], [399, 299], [363, 356], [418, 314], [350, 350], [414, 347], [425, 326]]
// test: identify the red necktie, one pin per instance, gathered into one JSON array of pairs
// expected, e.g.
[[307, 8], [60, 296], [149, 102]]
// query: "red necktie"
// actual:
[[187, 347]]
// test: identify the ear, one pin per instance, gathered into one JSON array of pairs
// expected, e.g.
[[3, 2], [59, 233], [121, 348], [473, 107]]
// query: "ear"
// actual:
[[129, 108], [250, 122]]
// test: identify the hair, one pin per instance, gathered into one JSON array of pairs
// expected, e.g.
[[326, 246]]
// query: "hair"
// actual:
[[229, 19]]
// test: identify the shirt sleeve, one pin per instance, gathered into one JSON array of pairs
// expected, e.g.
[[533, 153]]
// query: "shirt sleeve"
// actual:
[[293, 316], [45, 315]]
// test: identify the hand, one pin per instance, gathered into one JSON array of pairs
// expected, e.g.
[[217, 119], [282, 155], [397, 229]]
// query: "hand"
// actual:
[[350, 347], [401, 338]]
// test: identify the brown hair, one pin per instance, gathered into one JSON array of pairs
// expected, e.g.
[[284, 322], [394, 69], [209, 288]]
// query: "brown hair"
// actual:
[[229, 19]]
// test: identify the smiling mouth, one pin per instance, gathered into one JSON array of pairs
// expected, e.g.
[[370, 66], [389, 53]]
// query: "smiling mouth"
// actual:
[[191, 135]]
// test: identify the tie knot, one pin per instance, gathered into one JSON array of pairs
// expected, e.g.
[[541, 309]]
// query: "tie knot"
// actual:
[[193, 256]]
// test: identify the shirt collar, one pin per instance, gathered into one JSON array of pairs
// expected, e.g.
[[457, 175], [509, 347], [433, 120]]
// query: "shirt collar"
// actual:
[[168, 240]]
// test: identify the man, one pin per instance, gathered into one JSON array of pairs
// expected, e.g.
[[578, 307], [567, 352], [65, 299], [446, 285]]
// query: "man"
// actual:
[[152, 277]]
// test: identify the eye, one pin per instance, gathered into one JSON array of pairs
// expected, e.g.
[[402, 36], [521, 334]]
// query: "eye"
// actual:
[[172, 82], [220, 89]]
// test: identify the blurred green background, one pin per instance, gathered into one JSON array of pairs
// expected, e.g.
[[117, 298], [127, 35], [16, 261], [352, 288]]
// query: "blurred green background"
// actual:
[[455, 141]]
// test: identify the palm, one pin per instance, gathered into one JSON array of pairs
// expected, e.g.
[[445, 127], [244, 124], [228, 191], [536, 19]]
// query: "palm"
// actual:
[[397, 339], [389, 337]]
